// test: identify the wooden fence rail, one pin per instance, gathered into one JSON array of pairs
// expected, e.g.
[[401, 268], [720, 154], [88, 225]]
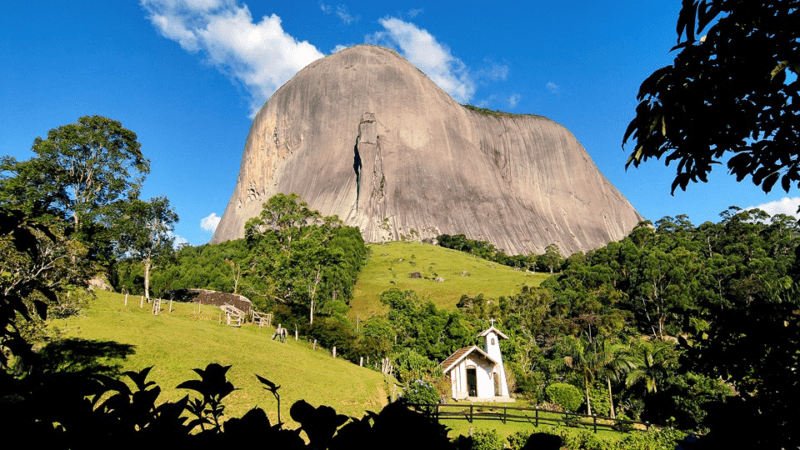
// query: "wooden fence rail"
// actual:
[[534, 416]]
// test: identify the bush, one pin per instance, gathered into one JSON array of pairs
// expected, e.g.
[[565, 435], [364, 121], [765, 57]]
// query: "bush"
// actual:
[[518, 439], [421, 392], [565, 395], [410, 365], [600, 404], [487, 440], [665, 439], [582, 440]]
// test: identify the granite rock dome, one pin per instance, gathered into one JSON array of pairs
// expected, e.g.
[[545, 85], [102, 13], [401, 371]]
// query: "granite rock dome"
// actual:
[[363, 134]]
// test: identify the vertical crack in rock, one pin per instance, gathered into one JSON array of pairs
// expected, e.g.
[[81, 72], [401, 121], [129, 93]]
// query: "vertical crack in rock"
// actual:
[[357, 169], [365, 144]]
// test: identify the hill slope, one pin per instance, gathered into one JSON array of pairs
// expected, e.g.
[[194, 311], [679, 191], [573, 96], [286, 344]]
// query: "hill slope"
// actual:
[[363, 134], [391, 264], [175, 343]]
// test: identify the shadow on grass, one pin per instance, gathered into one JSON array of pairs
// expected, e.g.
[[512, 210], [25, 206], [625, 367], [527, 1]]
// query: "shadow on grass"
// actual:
[[84, 357]]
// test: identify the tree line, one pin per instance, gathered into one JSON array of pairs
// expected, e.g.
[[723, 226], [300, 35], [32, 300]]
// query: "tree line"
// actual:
[[551, 260], [691, 325]]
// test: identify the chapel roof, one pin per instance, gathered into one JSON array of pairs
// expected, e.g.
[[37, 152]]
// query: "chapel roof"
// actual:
[[462, 353]]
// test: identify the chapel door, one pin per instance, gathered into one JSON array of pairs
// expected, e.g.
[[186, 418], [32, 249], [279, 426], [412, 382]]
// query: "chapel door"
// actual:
[[472, 382]]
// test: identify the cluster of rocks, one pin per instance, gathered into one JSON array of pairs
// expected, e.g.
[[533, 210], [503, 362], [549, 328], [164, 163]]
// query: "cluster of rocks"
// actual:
[[209, 297]]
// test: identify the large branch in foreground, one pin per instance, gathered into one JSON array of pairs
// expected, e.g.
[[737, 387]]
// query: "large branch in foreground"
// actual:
[[727, 95]]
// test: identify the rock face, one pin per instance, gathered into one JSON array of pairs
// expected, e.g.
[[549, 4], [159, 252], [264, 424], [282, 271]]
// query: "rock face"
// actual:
[[365, 135]]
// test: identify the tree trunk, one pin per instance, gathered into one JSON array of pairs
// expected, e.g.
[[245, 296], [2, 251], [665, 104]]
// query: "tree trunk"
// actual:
[[313, 294], [147, 279], [588, 399], [611, 398]]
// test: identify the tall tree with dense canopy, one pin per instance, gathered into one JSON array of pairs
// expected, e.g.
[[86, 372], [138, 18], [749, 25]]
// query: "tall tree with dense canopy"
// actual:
[[145, 233], [80, 172], [300, 254], [731, 92]]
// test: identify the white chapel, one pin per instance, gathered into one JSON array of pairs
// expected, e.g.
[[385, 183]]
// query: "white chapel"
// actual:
[[477, 374]]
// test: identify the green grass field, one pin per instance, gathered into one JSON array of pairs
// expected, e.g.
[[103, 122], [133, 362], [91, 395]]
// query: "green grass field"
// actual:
[[390, 264], [175, 343]]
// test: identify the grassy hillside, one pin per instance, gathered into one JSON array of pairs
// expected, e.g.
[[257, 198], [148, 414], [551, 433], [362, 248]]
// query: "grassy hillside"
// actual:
[[390, 265], [175, 343]]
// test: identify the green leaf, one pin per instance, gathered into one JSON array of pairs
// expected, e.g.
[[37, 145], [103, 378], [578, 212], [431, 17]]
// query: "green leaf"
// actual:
[[770, 181]]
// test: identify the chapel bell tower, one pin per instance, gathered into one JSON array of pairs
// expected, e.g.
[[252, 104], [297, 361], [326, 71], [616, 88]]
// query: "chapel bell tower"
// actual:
[[492, 346]]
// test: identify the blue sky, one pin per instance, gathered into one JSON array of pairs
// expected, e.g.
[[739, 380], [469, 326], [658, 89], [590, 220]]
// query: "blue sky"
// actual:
[[187, 76]]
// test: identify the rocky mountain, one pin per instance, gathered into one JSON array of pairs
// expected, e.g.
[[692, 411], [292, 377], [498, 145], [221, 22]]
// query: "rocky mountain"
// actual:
[[363, 134]]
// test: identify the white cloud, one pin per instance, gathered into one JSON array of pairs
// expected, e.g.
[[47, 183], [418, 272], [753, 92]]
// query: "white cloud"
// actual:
[[415, 12], [261, 56], [495, 72], [344, 16], [553, 88], [513, 101], [210, 222], [785, 205], [430, 56], [178, 240], [341, 13]]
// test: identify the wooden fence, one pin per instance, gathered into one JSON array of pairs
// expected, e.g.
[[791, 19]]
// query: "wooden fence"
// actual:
[[534, 416]]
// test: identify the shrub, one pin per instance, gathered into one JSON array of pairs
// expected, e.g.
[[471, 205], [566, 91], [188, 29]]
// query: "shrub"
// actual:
[[518, 439], [487, 440], [565, 395], [665, 439], [582, 440], [600, 404], [410, 365], [420, 391]]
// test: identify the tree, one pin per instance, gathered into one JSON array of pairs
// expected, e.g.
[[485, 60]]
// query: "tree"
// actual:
[[727, 94], [35, 269], [551, 258], [612, 363], [648, 365], [585, 362], [304, 258], [145, 233], [79, 174]]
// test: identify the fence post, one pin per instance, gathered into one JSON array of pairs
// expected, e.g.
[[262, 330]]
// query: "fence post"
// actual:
[[315, 345], [470, 413], [437, 411], [334, 352], [537, 416], [361, 362], [505, 413], [594, 419], [126, 299]]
